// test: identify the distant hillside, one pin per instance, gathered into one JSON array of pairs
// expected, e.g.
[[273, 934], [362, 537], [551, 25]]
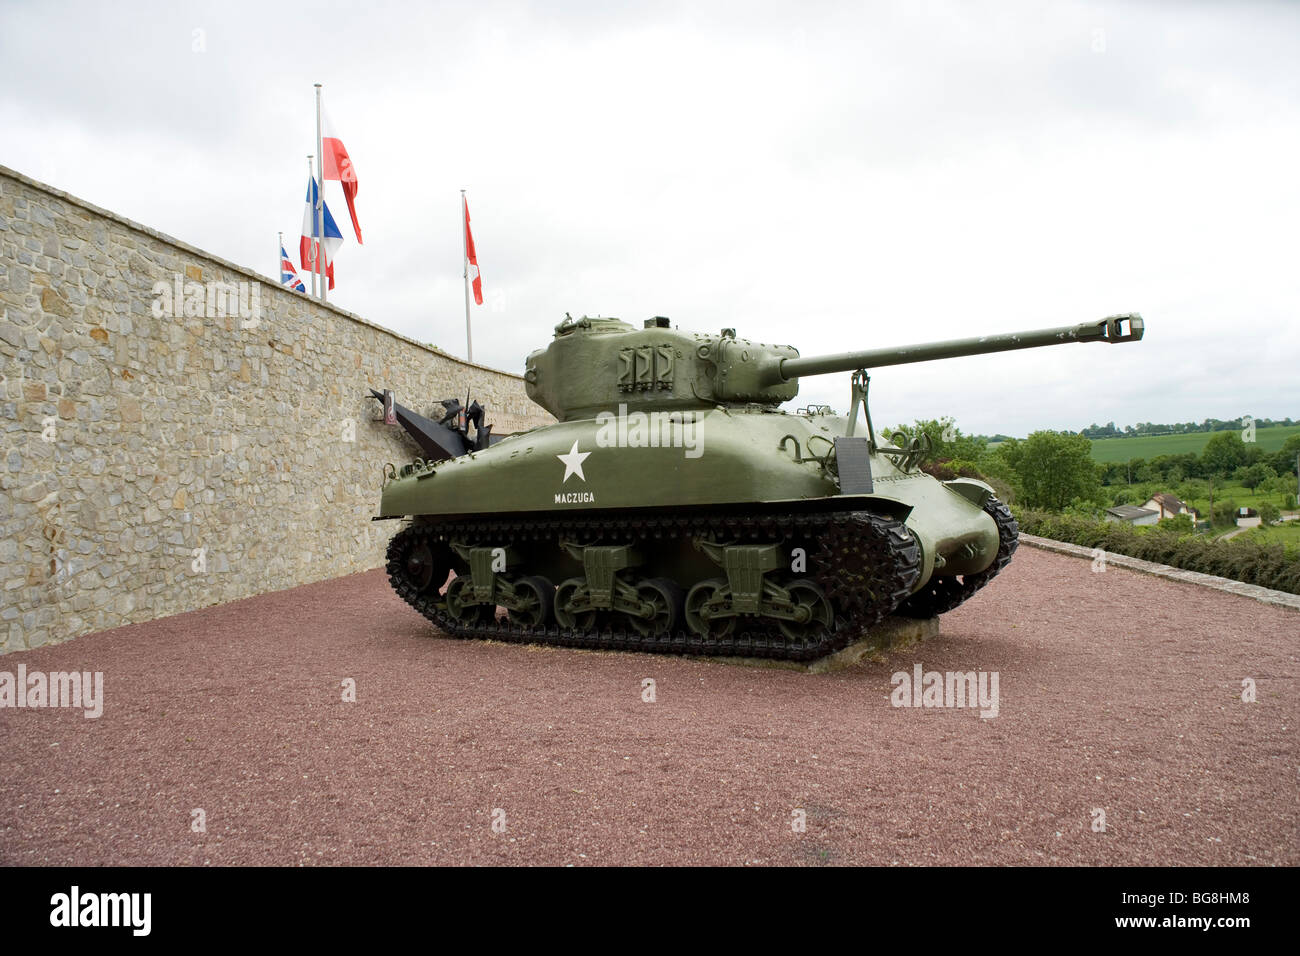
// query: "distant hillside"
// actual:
[[1111, 430], [1106, 450]]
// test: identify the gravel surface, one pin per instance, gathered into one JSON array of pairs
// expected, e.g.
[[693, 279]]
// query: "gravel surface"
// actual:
[[1119, 692]]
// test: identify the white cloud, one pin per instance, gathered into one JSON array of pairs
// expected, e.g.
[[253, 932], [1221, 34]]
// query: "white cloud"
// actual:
[[819, 174]]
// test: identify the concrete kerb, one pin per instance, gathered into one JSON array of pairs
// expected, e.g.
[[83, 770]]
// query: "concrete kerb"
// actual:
[[1254, 591]]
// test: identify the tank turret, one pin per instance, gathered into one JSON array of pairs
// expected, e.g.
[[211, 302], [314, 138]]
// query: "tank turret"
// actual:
[[598, 364]]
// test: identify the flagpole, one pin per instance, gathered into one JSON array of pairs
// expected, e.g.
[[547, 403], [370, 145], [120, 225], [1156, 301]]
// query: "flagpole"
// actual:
[[311, 243], [322, 259], [279, 259], [464, 245]]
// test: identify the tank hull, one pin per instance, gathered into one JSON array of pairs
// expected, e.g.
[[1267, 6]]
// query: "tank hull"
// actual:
[[715, 458]]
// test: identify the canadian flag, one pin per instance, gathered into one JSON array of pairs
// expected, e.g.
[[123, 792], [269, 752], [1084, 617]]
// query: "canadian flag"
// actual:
[[338, 166], [472, 256]]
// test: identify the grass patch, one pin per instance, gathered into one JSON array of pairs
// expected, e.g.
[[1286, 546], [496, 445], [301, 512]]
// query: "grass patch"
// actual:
[[1286, 534], [1243, 496]]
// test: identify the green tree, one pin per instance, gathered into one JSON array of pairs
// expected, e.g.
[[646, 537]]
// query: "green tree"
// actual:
[[946, 439], [1284, 460], [1052, 469], [1114, 473], [1194, 489], [1178, 524], [1223, 453], [1125, 496], [1281, 485], [1268, 512], [1225, 513], [1252, 476]]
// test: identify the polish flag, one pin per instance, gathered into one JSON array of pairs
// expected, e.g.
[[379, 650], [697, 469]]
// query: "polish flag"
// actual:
[[338, 166], [472, 256], [307, 247]]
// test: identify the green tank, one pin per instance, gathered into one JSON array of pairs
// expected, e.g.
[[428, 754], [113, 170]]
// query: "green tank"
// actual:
[[675, 506]]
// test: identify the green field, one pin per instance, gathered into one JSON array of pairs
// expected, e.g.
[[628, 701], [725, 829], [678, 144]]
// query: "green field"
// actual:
[[1240, 495], [1106, 450]]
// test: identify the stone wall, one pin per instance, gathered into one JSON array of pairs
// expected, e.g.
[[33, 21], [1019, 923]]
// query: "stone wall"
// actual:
[[154, 461]]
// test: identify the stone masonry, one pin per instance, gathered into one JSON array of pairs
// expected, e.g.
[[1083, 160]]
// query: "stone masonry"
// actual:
[[159, 453]]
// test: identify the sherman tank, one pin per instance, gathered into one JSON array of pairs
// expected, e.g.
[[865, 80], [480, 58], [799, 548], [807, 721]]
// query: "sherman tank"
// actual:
[[674, 506]]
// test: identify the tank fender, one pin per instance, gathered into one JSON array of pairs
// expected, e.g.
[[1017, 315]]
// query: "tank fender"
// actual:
[[972, 489], [899, 510]]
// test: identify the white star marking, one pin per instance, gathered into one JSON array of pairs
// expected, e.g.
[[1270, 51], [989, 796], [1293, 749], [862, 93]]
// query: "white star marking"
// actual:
[[573, 462]]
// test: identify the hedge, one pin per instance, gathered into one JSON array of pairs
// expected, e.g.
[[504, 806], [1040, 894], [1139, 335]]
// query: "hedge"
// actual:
[[1268, 565]]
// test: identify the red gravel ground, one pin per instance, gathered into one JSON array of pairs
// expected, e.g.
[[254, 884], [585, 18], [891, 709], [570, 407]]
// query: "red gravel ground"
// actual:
[[1119, 692]]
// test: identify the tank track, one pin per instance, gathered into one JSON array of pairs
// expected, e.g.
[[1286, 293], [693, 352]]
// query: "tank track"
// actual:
[[865, 563], [941, 595]]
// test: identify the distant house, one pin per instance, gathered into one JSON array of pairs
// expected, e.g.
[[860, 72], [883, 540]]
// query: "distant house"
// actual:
[[1166, 505], [1132, 514]]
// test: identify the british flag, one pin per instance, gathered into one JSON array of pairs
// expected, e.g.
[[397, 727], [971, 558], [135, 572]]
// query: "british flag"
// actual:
[[287, 274]]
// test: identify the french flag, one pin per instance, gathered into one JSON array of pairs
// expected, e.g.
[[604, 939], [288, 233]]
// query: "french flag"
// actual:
[[333, 238], [289, 277]]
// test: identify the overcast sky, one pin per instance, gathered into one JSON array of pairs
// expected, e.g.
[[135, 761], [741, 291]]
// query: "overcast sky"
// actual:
[[828, 175]]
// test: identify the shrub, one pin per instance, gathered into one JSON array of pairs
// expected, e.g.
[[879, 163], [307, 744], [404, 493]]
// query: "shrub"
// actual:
[[946, 469], [1225, 513], [1268, 565], [939, 469]]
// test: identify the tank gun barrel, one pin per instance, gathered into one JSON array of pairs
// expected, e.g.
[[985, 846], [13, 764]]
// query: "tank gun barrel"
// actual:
[[1110, 329]]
